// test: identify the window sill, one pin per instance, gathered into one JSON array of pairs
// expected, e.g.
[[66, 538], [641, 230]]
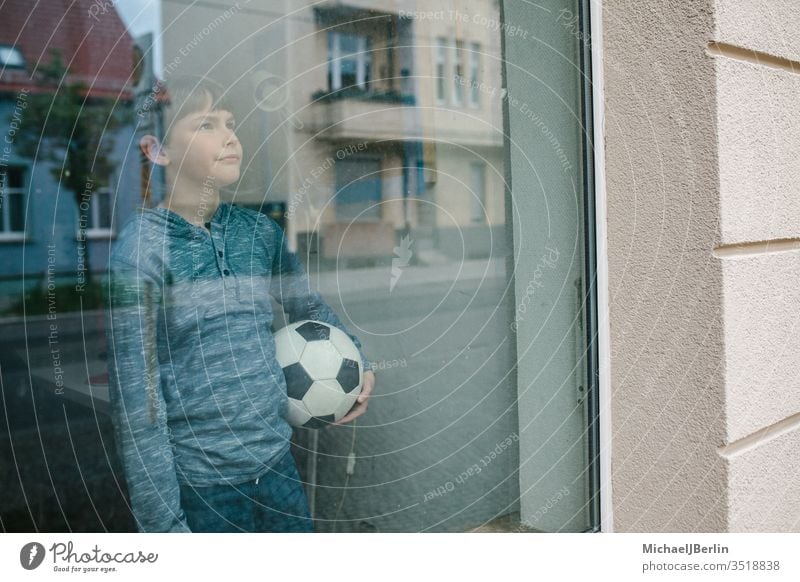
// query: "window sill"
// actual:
[[13, 237], [353, 92], [97, 235], [505, 524]]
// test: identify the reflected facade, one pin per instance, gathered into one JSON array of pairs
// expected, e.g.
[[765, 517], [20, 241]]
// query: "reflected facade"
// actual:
[[432, 183]]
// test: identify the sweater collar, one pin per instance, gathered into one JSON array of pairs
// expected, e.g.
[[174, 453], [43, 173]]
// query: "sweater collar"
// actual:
[[180, 225]]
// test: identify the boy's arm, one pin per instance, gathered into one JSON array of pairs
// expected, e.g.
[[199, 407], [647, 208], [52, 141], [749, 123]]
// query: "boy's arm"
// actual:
[[137, 405], [292, 289]]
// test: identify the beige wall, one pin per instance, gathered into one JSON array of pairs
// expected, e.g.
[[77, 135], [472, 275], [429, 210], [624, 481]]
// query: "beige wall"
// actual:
[[759, 149], [702, 146], [454, 193]]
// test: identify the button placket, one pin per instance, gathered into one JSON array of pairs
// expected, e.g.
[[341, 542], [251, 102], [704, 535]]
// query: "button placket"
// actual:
[[228, 278]]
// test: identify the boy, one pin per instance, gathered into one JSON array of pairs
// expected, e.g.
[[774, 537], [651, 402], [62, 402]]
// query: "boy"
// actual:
[[198, 399]]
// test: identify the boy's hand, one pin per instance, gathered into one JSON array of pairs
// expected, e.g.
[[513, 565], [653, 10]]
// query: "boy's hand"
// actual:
[[362, 401]]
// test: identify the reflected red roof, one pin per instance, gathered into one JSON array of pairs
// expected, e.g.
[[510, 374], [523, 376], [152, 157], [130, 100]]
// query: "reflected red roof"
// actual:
[[92, 37]]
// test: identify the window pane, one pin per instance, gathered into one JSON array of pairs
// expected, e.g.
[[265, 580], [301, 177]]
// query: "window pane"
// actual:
[[348, 44], [334, 79], [103, 200], [441, 60], [358, 189], [11, 57], [397, 200], [447, 240], [16, 177], [16, 212], [478, 198], [474, 79], [349, 68], [349, 63], [458, 72]]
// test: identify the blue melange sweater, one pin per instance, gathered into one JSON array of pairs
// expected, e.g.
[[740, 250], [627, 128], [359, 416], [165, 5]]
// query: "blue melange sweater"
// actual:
[[197, 396]]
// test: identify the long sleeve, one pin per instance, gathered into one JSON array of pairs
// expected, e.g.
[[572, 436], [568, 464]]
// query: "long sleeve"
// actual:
[[137, 404], [291, 287]]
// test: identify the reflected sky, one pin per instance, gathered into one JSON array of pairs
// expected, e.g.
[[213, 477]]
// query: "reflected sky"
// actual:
[[140, 17]]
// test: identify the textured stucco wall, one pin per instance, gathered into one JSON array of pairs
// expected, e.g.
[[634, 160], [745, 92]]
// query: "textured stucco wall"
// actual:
[[665, 285], [702, 144], [758, 83]]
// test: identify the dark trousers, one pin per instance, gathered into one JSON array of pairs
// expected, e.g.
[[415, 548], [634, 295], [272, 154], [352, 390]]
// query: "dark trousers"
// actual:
[[275, 502]]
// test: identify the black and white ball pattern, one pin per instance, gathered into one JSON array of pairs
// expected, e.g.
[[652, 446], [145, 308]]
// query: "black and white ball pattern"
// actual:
[[323, 370]]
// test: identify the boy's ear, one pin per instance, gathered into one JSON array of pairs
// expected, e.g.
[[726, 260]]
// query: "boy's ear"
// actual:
[[153, 149]]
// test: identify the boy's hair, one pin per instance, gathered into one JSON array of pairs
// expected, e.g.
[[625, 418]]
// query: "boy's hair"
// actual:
[[188, 94]]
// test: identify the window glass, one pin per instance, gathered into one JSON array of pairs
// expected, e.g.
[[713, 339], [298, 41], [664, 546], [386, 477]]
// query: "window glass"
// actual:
[[101, 206], [349, 60], [11, 57], [12, 211], [441, 65], [16, 212], [412, 180], [458, 72], [474, 74], [478, 192], [358, 189]]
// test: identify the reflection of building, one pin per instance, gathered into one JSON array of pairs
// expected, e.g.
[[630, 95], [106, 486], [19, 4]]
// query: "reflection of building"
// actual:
[[388, 121], [397, 103], [36, 211]]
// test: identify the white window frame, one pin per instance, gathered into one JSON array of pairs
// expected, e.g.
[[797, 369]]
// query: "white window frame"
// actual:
[[440, 70], [474, 75], [6, 234], [93, 230], [363, 58], [603, 295]]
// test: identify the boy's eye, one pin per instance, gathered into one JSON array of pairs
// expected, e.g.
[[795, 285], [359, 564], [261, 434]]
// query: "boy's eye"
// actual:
[[206, 125]]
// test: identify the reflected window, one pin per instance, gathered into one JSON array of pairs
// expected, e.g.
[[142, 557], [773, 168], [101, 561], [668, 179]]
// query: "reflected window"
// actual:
[[478, 192], [12, 209], [474, 74], [358, 189], [458, 72], [441, 65], [11, 58], [100, 214], [349, 61]]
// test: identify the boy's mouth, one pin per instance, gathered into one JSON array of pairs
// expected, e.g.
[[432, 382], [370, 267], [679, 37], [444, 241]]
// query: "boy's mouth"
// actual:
[[230, 158]]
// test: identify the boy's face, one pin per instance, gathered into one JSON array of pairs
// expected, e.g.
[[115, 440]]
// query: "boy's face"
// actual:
[[203, 146]]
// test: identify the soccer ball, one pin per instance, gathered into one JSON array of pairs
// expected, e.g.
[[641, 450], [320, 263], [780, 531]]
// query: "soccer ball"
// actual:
[[323, 370]]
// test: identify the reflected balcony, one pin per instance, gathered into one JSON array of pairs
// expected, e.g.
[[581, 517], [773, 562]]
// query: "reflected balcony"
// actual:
[[356, 114]]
